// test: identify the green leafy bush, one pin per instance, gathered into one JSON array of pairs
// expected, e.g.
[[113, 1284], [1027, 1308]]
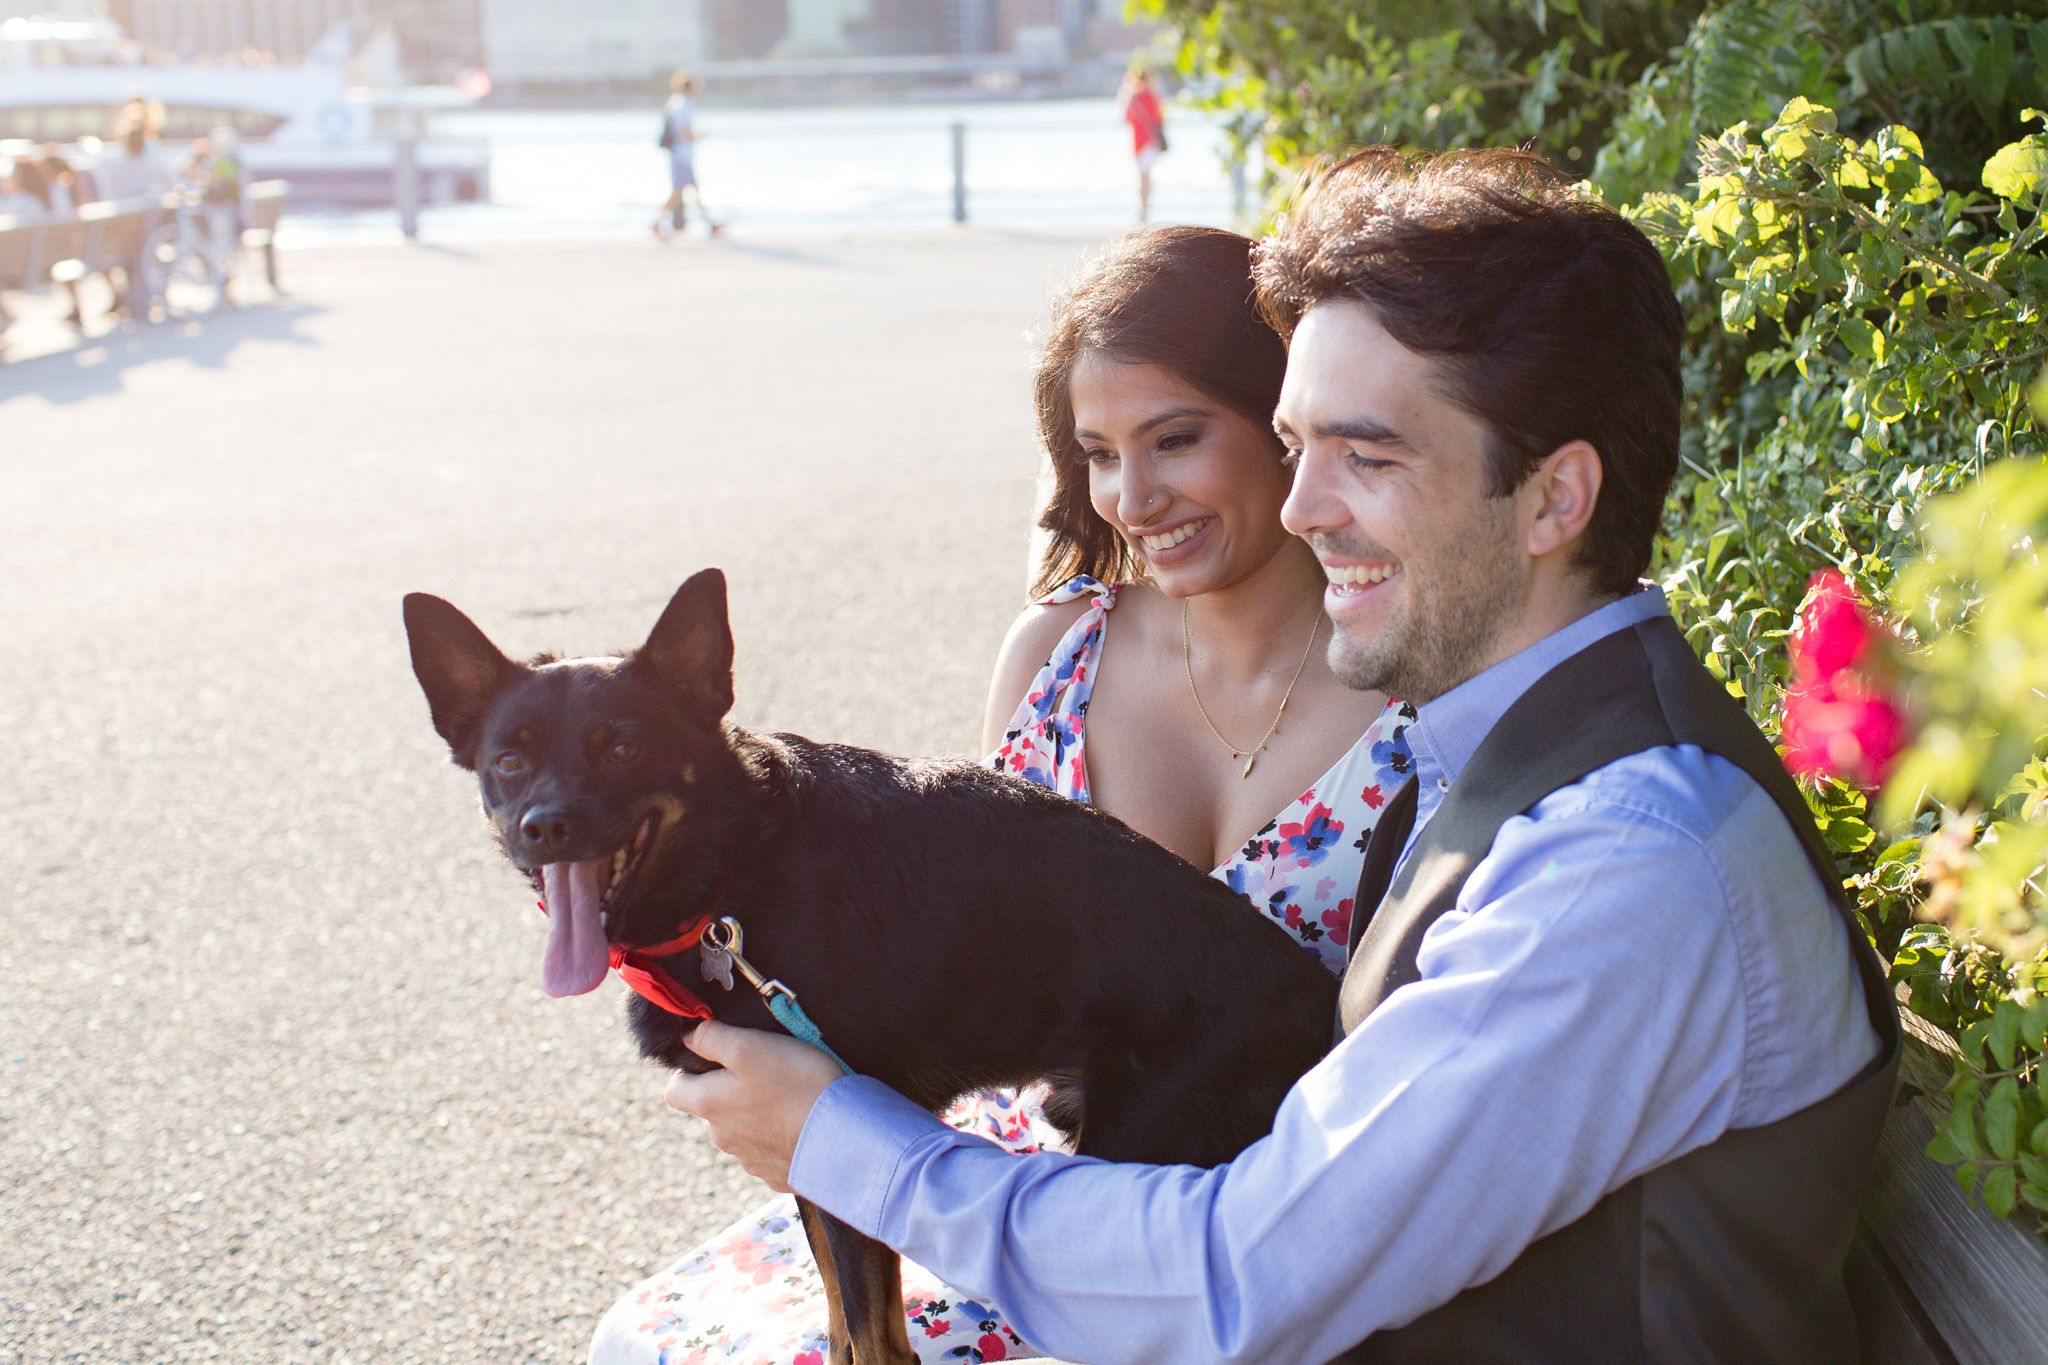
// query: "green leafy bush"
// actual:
[[1852, 210], [1889, 330]]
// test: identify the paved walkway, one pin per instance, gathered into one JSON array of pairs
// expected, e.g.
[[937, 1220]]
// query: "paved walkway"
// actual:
[[277, 1080]]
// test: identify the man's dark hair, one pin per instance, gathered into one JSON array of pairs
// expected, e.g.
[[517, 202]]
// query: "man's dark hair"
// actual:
[[1550, 316]]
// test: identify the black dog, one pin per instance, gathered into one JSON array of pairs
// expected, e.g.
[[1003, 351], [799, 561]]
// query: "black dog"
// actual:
[[1169, 1017]]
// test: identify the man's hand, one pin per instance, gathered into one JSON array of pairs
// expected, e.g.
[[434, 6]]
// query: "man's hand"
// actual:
[[756, 1106]]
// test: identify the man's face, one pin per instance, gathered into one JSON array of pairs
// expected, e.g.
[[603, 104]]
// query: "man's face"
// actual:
[[1429, 574]]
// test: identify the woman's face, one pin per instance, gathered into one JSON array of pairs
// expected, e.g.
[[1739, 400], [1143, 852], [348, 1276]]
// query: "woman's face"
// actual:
[[1190, 482]]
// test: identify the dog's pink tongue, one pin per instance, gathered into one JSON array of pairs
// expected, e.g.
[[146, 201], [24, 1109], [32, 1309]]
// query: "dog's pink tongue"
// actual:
[[577, 955]]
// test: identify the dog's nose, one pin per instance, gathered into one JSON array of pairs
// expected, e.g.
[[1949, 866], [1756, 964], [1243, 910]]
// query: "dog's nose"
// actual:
[[545, 830]]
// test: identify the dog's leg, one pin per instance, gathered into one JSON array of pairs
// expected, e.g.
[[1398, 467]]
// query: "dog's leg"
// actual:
[[839, 1350], [866, 1284]]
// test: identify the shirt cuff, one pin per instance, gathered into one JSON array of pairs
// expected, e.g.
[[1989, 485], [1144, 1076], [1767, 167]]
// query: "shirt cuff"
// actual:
[[853, 1144]]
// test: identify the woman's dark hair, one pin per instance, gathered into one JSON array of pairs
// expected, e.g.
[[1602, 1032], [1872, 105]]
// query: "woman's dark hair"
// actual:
[[1176, 297], [1549, 316]]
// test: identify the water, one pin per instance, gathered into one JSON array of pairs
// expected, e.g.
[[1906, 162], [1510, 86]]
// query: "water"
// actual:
[[567, 174]]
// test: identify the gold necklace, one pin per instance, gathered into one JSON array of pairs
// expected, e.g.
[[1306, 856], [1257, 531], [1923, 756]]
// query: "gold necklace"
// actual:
[[1251, 755]]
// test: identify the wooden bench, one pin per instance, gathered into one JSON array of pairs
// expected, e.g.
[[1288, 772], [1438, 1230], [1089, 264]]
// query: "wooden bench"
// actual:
[[17, 252], [110, 235], [1936, 1279], [103, 236]]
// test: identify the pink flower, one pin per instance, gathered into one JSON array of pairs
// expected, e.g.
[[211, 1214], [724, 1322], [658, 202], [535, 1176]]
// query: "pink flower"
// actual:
[[1832, 631], [1842, 728], [1837, 722], [992, 1347]]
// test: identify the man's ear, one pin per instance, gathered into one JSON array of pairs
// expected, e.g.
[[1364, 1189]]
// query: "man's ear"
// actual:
[[689, 652], [459, 669], [1565, 489]]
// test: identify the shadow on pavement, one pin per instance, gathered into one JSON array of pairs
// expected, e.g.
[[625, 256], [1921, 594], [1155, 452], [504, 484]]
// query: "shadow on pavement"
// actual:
[[97, 365], [778, 253]]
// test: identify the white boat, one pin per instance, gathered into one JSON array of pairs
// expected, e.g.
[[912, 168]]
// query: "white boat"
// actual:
[[62, 80]]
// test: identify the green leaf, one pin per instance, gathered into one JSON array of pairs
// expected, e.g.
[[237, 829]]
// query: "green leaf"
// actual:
[[2034, 1024], [1971, 1041], [2004, 1034], [2002, 1119], [1864, 339], [1718, 220], [2035, 1169], [1963, 39], [1991, 71], [2038, 1139], [1962, 1129], [1923, 53], [1999, 1191], [1901, 851], [1939, 1148], [1966, 1176], [2017, 169]]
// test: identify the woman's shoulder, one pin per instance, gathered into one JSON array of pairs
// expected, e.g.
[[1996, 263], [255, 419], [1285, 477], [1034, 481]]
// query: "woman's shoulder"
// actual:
[[1034, 638], [1040, 627]]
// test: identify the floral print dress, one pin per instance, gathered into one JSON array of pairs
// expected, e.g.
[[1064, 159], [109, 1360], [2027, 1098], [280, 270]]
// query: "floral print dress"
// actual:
[[752, 1294]]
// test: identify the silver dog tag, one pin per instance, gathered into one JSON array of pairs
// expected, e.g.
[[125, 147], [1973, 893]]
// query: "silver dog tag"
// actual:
[[715, 962]]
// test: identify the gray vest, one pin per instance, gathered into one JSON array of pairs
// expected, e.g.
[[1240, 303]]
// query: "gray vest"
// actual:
[[1732, 1253]]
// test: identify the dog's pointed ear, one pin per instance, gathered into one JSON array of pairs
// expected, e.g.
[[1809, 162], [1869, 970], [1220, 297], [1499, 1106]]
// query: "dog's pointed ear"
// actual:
[[689, 652], [459, 669]]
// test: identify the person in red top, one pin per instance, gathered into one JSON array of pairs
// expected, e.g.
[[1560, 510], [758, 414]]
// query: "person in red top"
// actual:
[[1148, 130]]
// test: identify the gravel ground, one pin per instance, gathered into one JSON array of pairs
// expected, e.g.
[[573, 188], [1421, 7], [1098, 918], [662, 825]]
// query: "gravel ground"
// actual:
[[277, 1080]]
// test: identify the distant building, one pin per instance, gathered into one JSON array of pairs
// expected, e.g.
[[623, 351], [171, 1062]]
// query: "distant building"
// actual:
[[741, 30], [874, 28], [436, 38], [751, 29], [582, 42]]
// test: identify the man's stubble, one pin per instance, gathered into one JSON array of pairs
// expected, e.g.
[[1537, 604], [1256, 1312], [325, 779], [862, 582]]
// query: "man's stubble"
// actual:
[[1462, 595]]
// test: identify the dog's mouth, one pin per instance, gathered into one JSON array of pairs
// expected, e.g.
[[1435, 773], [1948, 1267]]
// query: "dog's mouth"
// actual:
[[579, 898]]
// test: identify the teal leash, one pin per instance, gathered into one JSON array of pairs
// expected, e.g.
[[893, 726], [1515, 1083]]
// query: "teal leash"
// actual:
[[724, 936], [782, 1004]]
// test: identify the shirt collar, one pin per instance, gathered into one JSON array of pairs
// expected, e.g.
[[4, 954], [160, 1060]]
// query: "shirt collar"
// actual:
[[1447, 731]]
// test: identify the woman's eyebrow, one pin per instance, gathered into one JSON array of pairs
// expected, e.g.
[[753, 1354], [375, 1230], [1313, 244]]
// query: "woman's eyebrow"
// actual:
[[1161, 419]]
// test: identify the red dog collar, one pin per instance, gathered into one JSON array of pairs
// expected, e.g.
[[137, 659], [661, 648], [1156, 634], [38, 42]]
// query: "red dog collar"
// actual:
[[641, 969]]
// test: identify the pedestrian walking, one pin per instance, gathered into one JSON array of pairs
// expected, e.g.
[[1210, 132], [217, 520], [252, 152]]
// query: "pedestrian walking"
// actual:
[[679, 136], [1140, 103]]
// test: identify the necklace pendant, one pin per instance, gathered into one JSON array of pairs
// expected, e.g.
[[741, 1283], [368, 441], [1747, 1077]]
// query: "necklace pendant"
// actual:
[[1248, 765]]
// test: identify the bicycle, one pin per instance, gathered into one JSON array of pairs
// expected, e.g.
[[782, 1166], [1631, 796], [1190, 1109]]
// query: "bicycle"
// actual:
[[187, 262]]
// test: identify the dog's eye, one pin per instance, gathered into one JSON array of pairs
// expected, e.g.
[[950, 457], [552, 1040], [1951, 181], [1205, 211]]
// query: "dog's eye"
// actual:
[[625, 751], [509, 764]]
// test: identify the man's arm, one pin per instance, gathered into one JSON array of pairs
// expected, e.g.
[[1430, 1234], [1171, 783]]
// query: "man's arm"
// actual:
[[1585, 1015]]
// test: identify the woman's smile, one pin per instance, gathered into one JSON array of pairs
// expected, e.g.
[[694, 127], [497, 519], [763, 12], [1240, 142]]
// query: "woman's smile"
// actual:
[[1177, 542]]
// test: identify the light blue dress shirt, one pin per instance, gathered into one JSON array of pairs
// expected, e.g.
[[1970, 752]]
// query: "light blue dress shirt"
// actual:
[[1643, 961]]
